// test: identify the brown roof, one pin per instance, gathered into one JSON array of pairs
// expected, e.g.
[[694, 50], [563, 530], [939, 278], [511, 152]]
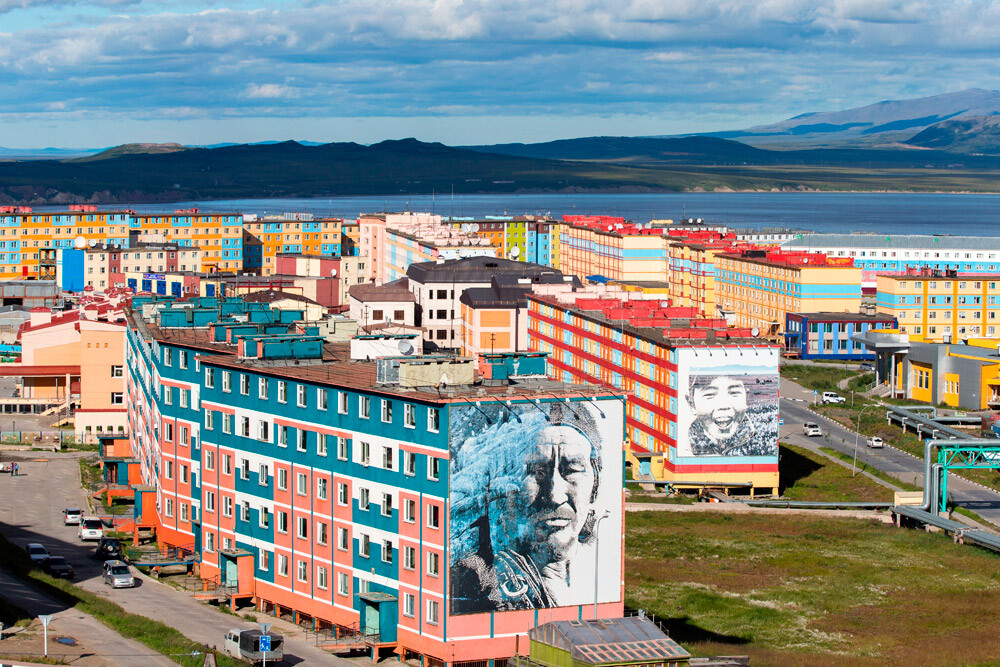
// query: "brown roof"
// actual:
[[270, 296], [394, 291]]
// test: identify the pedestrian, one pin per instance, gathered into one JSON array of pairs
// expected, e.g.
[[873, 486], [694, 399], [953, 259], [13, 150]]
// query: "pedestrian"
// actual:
[[17, 471]]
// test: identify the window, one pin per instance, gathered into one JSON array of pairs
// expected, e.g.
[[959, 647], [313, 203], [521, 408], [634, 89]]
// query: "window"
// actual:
[[409, 463], [263, 560], [410, 511], [322, 442], [209, 541], [117, 398], [282, 436], [321, 399], [184, 511], [302, 531], [245, 427], [301, 441], [410, 415], [321, 577], [183, 469], [227, 422], [432, 612], [433, 468], [209, 501], [342, 400], [321, 485], [300, 395], [409, 558], [168, 356], [433, 516], [342, 585], [343, 541], [227, 506], [183, 395], [301, 484], [209, 459], [432, 564], [342, 448], [433, 419], [365, 452], [408, 604], [342, 496], [281, 523], [209, 419], [262, 388], [262, 475], [321, 532], [244, 384], [263, 431], [282, 391], [282, 565], [363, 498], [282, 475], [387, 551], [168, 507], [227, 381], [364, 545], [117, 371], [168, 469], [264, 518], [364, 406], [387, 458], [168, 395], [245, 511], [386, 410], [386, 504]]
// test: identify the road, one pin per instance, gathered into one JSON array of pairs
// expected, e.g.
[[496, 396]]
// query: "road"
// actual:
[[31, 511], [902, 465]]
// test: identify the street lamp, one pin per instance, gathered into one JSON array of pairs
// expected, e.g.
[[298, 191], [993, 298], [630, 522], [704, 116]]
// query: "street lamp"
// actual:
[[45, 618], [857, 433], [597, 555]]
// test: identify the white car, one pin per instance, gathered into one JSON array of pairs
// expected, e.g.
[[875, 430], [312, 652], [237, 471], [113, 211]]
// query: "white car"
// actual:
[[875, 442], [832, 397], [811, 429], [72, 516], [91, 528]]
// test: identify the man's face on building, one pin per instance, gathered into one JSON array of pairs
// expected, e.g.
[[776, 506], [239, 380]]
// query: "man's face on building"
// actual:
[[719, 406], [559, 481]]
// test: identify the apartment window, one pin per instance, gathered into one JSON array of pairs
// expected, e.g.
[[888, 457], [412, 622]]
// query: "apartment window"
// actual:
[[302, 531], [409, 463], [209, 501], [264, 518], [343, 542], [365, 452], [432, 564], [387, 458], [282, 391], [410, 415], [263, 475], [364, 406], [227, 506], [282, 475], [183, 469], [409, 558], [409, 511], [282, 436], [301, 440], [281, 521], [342, 445], [264, 431], [245, 511], [301, 484], [342, 401], [210, 378], [168, 355], [282, 565], [321, 578], [245, 427], [364, 545], [168, 507], [322, 441], [263, 560], [227, 381], [408, 604], [244, 469], [184, 511], [386, 504], [432, 612], [300, 395], [168, 395], [244, 384], [321, 485], [342, 584], [209, 541], [117, 371], [168, 469], [387, 551], [209, 459], [342, 496], [433, 468], [433, 516], [117, 398], [183, 394], [433, 419], [363, 498], [262, 388], [321, 395], [386, 410]]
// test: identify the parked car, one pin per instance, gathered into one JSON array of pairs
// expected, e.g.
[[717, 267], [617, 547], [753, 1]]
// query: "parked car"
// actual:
[[37, 552], [812, 429], [109, 548], [72, 516], [832, 397], [875, 442], [118, 575], [91, 528], [245, 644], [58, 566], [866, 366]]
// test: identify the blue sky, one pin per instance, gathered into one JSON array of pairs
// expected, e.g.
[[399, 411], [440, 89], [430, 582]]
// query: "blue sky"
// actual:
[[91, 73]]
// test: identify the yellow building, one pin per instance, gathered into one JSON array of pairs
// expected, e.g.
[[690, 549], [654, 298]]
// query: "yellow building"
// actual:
[[264, 238], [624, 252], [693, 270], [757, 288], [219, 235], [941, 306]]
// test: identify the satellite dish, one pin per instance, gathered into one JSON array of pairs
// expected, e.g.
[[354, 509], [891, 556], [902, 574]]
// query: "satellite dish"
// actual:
[[405, 347], [639, 227], [515, 251], [466, 228], [755, 332], [333, 272], [93, 242], [611, 228], [79, 242], [475, 226]]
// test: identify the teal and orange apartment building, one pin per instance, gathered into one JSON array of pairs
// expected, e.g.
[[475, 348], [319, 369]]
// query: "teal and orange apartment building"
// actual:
[[409, 501]]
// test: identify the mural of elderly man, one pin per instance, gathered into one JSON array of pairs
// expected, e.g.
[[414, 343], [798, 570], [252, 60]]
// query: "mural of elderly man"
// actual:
[[526, 484]]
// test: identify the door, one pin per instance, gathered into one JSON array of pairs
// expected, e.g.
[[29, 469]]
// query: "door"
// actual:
[[231, 576], [371, 619]]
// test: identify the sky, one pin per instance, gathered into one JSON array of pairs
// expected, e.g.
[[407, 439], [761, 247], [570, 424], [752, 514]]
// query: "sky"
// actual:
[[95, 73]]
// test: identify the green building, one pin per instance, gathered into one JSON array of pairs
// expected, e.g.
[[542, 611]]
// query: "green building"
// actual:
[[618, 642]]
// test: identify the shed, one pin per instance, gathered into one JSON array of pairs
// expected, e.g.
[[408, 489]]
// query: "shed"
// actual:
[[632, 641]]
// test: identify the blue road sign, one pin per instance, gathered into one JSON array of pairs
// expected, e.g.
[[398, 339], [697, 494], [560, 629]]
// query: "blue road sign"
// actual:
[[815, 392], [265, 642], [781, 422]]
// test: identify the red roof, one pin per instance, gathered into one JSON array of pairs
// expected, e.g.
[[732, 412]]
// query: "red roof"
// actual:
[[8, 370]]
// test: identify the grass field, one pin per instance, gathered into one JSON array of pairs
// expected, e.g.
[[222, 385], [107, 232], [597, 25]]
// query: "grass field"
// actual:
[[801, 590], [817, 377], [808, 476]]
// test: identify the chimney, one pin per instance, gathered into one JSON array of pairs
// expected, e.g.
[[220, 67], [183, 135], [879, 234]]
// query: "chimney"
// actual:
[[40, 316]]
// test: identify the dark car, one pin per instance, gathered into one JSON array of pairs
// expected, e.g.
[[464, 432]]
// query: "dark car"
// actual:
[[58, 566], [109, 548], [865, 366]]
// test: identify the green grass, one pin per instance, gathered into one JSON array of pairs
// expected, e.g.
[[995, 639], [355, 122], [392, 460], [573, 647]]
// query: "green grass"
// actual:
[[817, 377], [863, 466], [156, 635], [808, 476], [803, 590], [661, 498]]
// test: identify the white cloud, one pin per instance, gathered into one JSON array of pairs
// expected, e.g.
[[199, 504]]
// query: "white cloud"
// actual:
[[269, 91]]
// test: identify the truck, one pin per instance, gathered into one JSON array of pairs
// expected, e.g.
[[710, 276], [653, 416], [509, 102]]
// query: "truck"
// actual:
[[245, 644]]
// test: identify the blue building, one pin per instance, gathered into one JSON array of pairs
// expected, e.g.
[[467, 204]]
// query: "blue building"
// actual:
[[828, 335]]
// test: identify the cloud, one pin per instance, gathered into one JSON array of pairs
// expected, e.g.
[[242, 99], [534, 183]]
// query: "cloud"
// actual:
[[269, 91]]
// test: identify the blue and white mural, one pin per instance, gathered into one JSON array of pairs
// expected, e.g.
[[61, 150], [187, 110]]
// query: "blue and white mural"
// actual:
[[536, 504]]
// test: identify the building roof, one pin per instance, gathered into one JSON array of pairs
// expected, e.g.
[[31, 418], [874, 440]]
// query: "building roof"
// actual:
[[612, 640], [790, 259], [271, 296], [843, 317], [864, 241], [394, 291], [473, 270]]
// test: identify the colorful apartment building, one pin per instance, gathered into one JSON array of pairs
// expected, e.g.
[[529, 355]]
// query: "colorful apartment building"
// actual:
[[831, 335], [375, 496], [597, 246], [941, 306], [103, 264], [218, 235], [702, 399], [692, 267], [296, 233], [756, 289]]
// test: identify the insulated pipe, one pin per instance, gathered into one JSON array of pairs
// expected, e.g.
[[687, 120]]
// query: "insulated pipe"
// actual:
[[931, 470]]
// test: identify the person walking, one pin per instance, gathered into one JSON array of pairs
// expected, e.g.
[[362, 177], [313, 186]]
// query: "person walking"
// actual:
[[17, 472]]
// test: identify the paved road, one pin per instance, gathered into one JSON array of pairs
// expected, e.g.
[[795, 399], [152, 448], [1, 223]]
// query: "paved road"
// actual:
[[31, 511], [902, 465]]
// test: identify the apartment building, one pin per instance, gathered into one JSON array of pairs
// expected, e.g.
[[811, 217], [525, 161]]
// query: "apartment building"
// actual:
[[702, 399], [692, 274], [612, 249], [104, 265], [371, 496], [756, 289], [218, 235], [941, 306], [264, 238], [831, 335]]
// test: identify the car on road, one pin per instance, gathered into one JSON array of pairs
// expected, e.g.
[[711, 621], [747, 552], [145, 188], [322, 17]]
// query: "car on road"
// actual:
[[72, 516], [91, 528], [865, 366], [37, 552], [118, 575], [58, 566], [832, 397], [812, 429], [875, 442], [245, 644], [109, 548]]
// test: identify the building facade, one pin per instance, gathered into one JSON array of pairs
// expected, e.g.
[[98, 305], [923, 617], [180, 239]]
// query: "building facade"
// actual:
[[831, 335], [941, 306]]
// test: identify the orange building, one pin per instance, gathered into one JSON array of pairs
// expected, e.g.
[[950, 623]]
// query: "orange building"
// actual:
[[219, 235]]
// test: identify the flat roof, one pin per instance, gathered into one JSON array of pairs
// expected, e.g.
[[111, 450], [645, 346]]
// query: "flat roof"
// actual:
[[844, 317], [894, 241]]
